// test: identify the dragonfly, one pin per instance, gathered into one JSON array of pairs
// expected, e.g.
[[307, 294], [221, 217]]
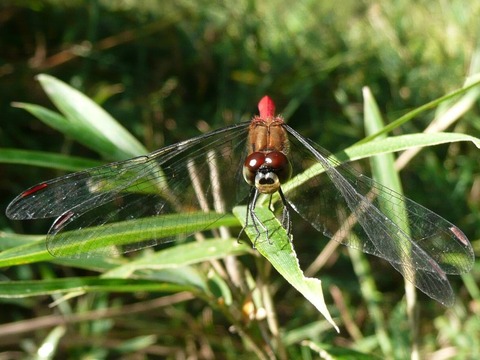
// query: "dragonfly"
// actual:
[[245, 163]]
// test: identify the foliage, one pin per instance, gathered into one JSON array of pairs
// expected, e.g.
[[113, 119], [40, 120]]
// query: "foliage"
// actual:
[[169, 70]]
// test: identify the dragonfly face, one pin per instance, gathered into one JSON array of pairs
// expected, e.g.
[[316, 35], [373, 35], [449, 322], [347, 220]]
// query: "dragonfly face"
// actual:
[[208, 175], [266, 171]]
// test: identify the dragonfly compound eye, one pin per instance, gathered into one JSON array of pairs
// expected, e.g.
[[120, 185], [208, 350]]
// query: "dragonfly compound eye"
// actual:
[[251, 166], [278, 163]]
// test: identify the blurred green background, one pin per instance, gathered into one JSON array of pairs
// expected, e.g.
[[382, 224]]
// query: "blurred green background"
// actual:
[[169, 70]]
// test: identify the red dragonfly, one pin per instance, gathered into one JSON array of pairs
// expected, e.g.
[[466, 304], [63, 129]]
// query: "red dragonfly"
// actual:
[[204, 175]]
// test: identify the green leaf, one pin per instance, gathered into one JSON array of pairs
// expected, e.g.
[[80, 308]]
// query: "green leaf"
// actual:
[[11, 240], [278, 250], [18, 289], [136, 344], [327, 351], [412, 114], [118, 234], [25, 254], [384, 172], [187, 275], [23, 249], [403, 142], [383, 164], [85, 121], [304, 331], [182, 255], [47, 160], [166, 266], [75, 130]]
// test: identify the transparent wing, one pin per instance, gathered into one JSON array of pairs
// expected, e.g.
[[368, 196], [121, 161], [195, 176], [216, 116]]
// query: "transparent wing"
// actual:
[[201, 176], [362, 214]]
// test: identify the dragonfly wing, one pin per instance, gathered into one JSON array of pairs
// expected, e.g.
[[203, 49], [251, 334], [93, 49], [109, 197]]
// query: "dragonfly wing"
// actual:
[[139, 196], [360, 213]]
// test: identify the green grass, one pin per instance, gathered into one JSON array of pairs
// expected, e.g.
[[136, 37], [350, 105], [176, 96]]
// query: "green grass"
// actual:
[[168, 71]]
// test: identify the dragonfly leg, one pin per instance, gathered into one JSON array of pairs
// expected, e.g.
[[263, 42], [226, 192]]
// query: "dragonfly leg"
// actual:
[[250, 214], [286, 220], [257, 224]]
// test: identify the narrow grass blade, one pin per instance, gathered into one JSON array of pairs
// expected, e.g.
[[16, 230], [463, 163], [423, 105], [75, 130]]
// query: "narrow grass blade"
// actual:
[[46, 160], [383, 170], [85, 121], [412, 114], [182, 255], [116, 235], [20, 289]]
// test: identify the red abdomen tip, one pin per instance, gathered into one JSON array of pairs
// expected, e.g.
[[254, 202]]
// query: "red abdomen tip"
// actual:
[[266, 107]]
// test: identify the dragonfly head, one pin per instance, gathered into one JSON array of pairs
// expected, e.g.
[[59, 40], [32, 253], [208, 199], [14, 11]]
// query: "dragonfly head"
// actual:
[[267, 170]]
